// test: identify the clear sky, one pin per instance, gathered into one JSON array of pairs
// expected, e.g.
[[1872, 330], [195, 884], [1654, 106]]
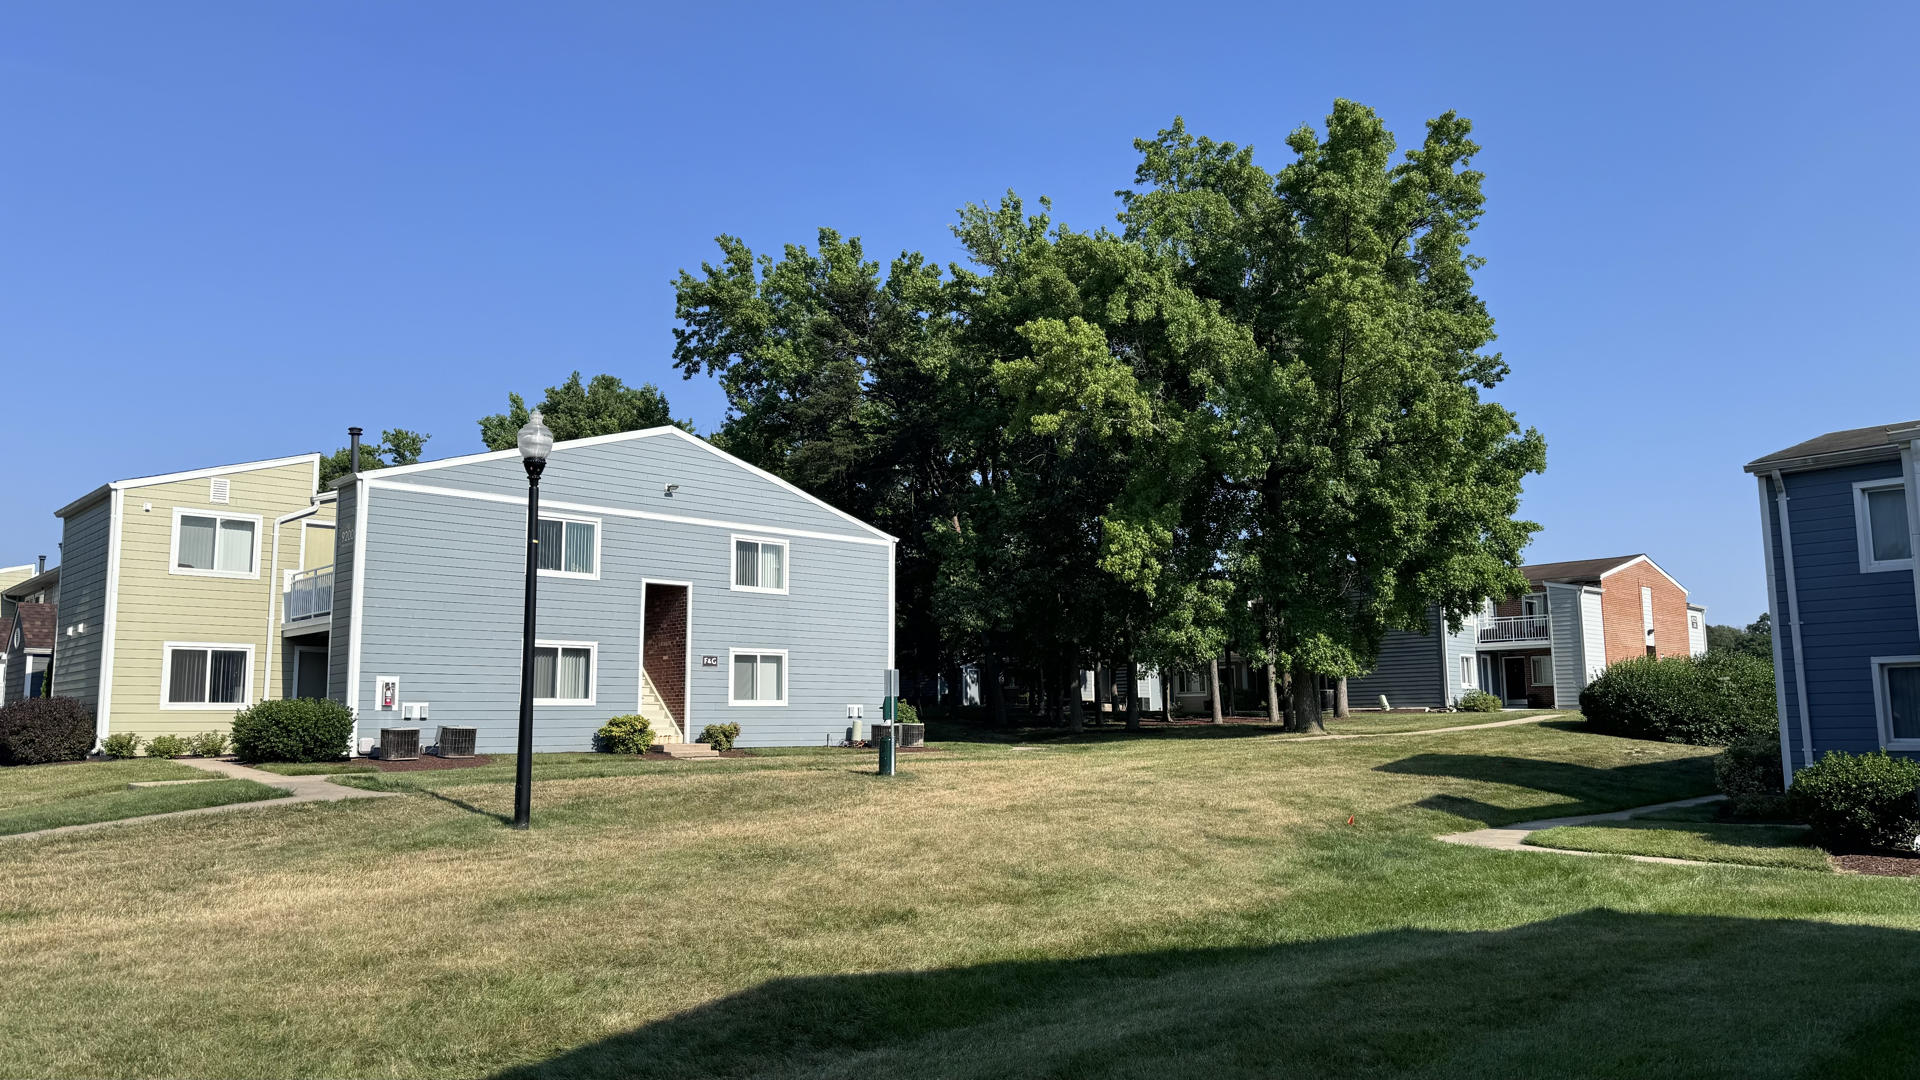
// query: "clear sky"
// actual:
[[229, 231]]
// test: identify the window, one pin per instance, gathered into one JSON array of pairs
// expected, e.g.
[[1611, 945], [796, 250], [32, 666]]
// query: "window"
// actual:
[[1533, 604], [1466, 672], [759, 678], [1880, 513], [36, 675], [206, 676], [1896, 692], [215, 545], [1693, 622], [563, 671], [1543, 671], [570, 547], [759, 565]]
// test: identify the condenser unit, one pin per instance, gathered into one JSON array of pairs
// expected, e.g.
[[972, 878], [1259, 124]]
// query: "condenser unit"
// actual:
[[456, 741], [399, 743]]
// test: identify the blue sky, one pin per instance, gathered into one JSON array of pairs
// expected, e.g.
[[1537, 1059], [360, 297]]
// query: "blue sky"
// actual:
[[229, 231]]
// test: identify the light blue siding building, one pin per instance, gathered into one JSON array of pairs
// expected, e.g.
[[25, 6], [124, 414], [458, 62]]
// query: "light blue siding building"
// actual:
[[676, 581], [1840, 524]]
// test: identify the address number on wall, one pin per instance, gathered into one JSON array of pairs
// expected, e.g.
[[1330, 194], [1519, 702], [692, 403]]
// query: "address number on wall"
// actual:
[[709, 661]]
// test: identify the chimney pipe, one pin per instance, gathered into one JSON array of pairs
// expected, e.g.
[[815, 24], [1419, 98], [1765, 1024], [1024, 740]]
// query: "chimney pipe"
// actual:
[[353, 444], [43, 565]]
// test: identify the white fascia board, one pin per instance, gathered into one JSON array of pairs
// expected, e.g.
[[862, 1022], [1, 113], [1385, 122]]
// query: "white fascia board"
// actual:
[[191, 474], [1637, 560]]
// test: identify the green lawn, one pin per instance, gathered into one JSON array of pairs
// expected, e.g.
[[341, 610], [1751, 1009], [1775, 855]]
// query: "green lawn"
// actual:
[[1752, 845], [47, 796], [316, 768], [1159, 906]]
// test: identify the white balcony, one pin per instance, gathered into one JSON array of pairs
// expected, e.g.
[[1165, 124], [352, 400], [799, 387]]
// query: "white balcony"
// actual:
[[308, 597], [1516, 629]]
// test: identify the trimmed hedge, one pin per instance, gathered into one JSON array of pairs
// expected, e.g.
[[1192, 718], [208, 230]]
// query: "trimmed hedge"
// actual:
[[38, 730], [1713, 700], [293, 729], [1749, 775], [625, 735], [1855, 801], [720, 736], [1479, 701]]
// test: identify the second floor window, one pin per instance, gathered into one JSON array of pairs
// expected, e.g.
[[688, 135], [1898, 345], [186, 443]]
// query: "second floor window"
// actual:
[[569, 547], [215, 544], [1885, 541], [759, 565]]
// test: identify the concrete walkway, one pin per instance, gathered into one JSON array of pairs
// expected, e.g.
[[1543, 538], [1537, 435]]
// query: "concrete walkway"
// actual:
[[301, 789], [1435, 731], [1513, 837]]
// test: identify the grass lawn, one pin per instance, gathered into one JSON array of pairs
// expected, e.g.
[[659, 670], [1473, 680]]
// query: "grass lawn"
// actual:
[[1752, 845], [1159, 906], [47, 796], [316, 768]]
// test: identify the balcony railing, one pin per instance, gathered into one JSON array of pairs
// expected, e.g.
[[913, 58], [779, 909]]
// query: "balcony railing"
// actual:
[[309, 595], [1515, 628]]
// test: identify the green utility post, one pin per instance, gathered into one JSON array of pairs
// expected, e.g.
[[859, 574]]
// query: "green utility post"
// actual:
[[890, 691]]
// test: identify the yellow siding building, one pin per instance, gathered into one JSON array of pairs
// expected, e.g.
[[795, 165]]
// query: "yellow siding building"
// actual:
[[174, 591]]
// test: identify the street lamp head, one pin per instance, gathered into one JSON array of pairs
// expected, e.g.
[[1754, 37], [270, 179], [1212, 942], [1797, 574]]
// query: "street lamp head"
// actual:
[[536, 442]]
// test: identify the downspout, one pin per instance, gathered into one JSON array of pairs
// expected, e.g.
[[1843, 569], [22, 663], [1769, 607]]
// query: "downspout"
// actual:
[[273, 593], [1779, 661], [1793, 604], [1910, 466]]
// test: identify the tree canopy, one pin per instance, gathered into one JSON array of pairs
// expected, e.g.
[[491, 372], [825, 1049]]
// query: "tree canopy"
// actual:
[[1755, 640], [1253, 414], [576, 410], [396, 446]]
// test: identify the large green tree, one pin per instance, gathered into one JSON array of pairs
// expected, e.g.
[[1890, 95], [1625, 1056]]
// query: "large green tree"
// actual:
[[397, 446], [577, 410]]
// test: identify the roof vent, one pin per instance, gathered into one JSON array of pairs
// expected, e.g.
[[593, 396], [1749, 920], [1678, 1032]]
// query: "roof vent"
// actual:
[[221, 490]]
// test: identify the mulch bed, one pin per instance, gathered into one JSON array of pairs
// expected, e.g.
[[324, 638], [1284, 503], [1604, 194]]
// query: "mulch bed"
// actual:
[[427, 761], [1884, 864]]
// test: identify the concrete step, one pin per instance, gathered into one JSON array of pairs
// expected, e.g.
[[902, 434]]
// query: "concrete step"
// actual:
[[688, 751]]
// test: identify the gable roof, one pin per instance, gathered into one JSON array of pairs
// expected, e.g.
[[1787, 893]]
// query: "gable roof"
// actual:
[[1589, 571], [33, 584], [36, 625], [668, 431], [1840, 447], [102, 491]]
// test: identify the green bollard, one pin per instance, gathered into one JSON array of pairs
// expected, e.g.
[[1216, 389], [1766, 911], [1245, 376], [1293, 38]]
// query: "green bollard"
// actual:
[[886, 756]]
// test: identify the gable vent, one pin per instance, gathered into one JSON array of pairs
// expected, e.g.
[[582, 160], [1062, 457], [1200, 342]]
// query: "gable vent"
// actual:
[[222, 488]]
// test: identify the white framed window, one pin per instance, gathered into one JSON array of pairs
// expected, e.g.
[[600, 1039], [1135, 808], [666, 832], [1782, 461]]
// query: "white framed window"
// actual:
[[759, 564], [1542, 670], [1880, 518], [1896, 701], [569, 547], [757, 677], [206, 675], [564, 672], [210, 543], [1467, 673], [1693, 622], [1533, 604]]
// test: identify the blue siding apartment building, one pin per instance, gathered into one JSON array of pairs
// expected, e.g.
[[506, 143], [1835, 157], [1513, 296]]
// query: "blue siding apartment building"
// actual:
[[676, 581], [1840, 523]]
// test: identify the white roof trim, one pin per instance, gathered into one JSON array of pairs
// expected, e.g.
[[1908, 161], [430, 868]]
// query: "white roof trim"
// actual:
[[1635, 561], [11, 569], [190, 474], [624, 436]]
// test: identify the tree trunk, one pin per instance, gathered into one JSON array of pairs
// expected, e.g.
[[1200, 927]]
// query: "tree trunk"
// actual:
[[1229, 682], [1133, 695], [1213, 688], [1273, 694], [1340, 698], [1076, 716], [1306, 701], [990, 692]]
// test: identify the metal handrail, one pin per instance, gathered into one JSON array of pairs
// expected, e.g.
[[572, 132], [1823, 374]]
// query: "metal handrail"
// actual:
[[1515, 628], [309, 594]]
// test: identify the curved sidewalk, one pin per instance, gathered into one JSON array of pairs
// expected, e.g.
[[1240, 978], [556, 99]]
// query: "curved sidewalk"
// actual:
[[300, 789], [1514, 837]]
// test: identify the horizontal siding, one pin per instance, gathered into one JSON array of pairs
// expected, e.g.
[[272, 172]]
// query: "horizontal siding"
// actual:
[[1567, 630], [1407, 672], [1846, 617], [83, 601], [341, 625], [444, 581]]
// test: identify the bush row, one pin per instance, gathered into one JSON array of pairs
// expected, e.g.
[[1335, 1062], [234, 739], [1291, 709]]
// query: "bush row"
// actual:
[[1712, 700]]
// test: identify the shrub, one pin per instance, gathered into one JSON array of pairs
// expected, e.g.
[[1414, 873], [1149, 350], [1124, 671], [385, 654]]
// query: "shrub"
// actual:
[[905, 713], [625, 735], [167, 746], [1712, 700], [1865, 800], [1479, 701], [36, 730], [1749, 776], [210, 743], [293, 729], [720, 736], [121, 744]]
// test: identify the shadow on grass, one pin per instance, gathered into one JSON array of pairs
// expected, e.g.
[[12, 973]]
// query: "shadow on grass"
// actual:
[[1585, 785], [1600, 993], [463, 804], [969, 733]]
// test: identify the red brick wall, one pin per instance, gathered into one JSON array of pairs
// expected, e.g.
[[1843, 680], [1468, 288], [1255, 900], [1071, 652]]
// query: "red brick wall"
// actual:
[[1623, 630], [665, 645]]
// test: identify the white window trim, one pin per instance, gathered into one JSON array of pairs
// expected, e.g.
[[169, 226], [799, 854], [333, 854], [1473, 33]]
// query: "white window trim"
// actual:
[[599, 531], [593, 668], [1863, 527], [733, 569], [166, 676], [786, 679], [173, 546], [1883, 708], [1533, 670], [1469, 677]]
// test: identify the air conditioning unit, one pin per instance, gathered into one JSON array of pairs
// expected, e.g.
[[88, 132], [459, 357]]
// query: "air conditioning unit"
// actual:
[[399, 743], [456, 741]]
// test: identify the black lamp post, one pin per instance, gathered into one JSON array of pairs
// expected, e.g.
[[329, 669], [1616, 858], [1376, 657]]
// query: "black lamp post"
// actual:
[[535, 443]]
